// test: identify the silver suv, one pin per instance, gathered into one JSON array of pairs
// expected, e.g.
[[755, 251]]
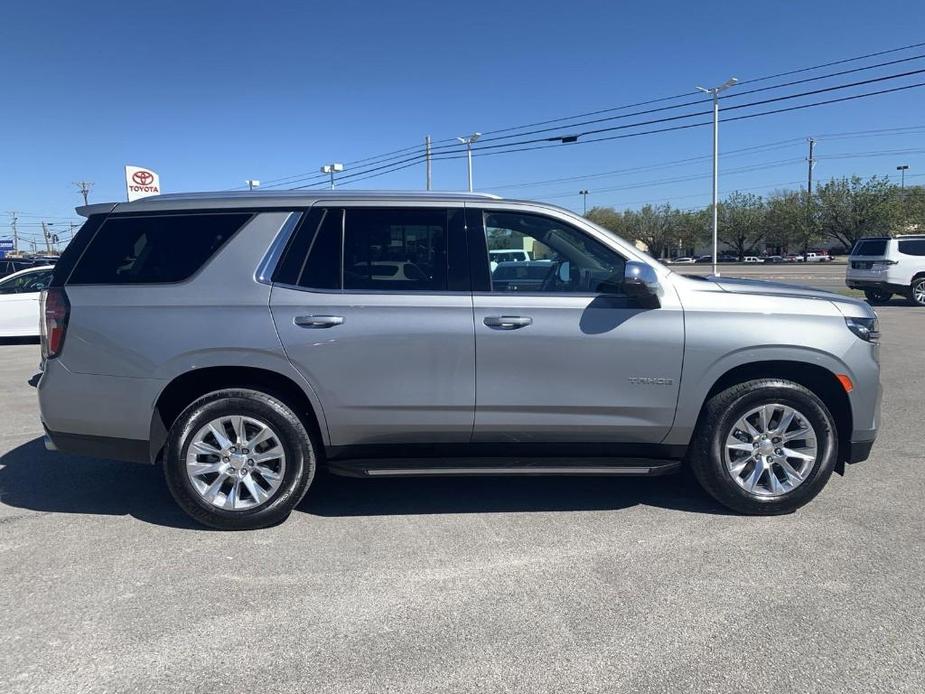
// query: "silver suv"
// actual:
[[243, 341]]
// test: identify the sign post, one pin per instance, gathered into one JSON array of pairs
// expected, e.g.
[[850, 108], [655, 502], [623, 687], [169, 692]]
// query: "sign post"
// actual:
[[141, 182]]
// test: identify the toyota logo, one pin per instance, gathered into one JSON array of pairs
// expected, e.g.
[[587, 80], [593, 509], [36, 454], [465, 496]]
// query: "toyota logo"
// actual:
[[143, 178]]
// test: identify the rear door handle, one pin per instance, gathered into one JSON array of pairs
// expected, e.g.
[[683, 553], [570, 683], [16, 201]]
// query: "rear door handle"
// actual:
[[318, 321], [507, 322]]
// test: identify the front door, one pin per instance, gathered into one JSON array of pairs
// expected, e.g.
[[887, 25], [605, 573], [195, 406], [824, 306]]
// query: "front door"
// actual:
[[562, 354], [373, 308]]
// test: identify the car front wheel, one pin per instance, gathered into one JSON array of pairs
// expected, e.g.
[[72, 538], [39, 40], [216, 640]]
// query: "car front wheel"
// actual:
[[239, 460], [764, 447]]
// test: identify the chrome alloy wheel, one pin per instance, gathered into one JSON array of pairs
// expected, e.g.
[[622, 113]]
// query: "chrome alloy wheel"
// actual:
[[918, 292], [236, 463], [771, 450]]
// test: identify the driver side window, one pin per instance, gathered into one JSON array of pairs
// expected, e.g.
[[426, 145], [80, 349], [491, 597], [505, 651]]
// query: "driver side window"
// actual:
[[559, 258]]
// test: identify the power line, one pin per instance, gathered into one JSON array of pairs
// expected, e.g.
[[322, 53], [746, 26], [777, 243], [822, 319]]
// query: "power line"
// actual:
[[380, 159], [513, 147]]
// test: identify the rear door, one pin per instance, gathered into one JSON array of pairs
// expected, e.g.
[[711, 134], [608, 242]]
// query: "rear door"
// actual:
[[568, 356], [373, 307]]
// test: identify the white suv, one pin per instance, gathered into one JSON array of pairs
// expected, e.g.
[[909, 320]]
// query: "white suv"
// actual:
[[885, 266]]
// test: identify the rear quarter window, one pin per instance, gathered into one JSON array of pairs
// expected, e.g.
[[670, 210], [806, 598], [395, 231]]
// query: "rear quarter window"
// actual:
[[912, 246], [870, 247], [154, 249]]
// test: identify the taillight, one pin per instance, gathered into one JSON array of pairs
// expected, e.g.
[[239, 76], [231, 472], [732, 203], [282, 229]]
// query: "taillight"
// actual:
[[55, 311]]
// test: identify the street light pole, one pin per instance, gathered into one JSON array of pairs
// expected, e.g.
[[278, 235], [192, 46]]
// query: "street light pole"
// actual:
[[584, 195], [252, 183], [715, 92], [467, 141], [902, 169], [332, 169]]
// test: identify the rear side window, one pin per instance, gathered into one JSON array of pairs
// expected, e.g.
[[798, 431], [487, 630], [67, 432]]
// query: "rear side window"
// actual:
[[154, 249], [395, 249], [912, 246], [375, 249], [870, 247]]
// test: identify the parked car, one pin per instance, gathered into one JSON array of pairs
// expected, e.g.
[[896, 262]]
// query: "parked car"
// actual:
[[775, 259], [821, 257], [522, 276], [752, 259], [19, 301], [10, 265], [683, 261], [704, 259], [252, 358], [884, 266], [509, 255]]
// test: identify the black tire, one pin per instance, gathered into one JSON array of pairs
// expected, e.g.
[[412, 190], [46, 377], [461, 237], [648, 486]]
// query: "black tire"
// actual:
[[298, 444], [875, 297], [918, 285], [719, 415]]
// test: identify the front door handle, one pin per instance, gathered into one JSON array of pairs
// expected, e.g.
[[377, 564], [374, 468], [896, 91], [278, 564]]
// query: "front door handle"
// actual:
[[507, 322], [318, 321]]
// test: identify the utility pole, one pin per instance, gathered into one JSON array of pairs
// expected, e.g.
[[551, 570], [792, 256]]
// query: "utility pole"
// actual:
[[84, 187], [715, 92], [47, 237], [811, 163], [584, 195], [427, 158], [13, 220]]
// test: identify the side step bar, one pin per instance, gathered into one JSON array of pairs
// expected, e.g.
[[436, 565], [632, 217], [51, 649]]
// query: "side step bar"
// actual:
[[475, 467]]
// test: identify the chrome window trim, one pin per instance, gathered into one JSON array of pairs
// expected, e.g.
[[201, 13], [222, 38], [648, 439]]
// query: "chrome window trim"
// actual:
[[267, 265]]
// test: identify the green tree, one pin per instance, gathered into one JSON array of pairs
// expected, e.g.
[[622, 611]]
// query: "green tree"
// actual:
[[651, 224], [789, 222], [849, 208], [742, 222]]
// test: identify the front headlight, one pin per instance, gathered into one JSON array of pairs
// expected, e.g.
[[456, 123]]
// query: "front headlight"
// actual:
[[868, 329]]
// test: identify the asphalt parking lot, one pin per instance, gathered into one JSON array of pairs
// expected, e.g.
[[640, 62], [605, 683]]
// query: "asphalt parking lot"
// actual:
[[534, 585]]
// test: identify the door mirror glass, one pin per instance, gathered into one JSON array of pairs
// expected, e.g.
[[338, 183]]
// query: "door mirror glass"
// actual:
[[639, 279], [565, 270]]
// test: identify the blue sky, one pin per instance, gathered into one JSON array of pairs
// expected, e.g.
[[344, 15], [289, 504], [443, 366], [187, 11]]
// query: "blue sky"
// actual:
[[211, 93]]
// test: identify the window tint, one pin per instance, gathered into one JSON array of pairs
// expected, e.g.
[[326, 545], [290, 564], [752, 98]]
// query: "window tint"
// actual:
[[912, 246], [156, 249], [293, 259], [564, 259], [395, 249], [322, 268], [870, 247]]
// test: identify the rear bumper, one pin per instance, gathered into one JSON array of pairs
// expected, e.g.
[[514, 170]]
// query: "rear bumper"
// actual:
[[876, 284], [130, 450]]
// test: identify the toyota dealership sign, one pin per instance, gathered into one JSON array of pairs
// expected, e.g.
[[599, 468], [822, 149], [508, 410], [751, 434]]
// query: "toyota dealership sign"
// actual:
[[141, 182]]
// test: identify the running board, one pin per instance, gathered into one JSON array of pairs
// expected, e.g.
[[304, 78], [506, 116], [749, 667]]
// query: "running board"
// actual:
[[469, 468]]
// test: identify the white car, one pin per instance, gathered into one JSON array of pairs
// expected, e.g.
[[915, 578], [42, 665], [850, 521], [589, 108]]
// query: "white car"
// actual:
[[509, 255], [753, 259], [683, 261], [19, 301], [886, 266]]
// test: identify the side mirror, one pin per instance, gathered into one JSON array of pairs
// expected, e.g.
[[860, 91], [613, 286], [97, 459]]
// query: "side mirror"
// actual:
[[639, 279], [565, 271]]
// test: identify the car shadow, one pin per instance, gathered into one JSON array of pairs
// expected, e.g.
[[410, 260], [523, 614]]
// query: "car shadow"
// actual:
[[35, 479]]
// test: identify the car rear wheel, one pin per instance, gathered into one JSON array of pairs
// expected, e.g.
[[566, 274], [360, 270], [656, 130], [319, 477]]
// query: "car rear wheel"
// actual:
[[877, 296], [917, 291], [764, 447], [239, 460]]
